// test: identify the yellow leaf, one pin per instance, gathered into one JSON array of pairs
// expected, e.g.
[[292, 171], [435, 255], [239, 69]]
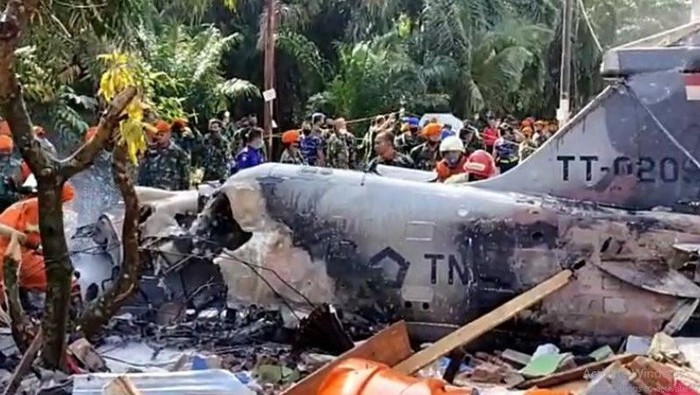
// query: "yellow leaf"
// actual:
[[132, 134]]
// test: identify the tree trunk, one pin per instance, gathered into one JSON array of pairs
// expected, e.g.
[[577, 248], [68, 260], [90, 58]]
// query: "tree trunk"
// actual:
[[59, 271], [104, 307], [50, 174]]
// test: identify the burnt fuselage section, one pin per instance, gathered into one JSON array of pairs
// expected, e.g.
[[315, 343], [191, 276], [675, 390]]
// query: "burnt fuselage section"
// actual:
[[445, 253]]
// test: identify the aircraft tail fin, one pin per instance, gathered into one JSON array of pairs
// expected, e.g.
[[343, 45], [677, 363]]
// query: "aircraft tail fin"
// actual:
[[637, 145]]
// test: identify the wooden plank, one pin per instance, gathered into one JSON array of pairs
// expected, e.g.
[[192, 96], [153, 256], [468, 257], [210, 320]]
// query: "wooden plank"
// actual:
[[389, 346], [483, 324], [24, 364], [576, 373], [121, 385]]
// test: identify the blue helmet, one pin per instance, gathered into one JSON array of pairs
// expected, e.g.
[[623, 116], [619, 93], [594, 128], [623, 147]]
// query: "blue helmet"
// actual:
[[447, 133]]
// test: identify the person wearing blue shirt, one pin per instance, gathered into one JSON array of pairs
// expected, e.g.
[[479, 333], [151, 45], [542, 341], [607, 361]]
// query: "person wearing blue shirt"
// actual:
[[311, 145], [251, 155]]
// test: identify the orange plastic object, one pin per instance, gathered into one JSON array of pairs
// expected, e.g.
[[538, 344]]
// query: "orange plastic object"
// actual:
[[546, 391], [356, 376]]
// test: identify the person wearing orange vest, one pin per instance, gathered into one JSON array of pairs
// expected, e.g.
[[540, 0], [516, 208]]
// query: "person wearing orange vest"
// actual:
[[23, 216], [453, 158]]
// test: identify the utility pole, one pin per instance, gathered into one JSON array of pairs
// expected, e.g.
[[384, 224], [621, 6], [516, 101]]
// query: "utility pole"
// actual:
[[269, 69], [695, 11], [563, 111]]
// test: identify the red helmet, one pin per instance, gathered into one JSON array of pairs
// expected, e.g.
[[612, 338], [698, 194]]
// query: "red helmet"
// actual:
[[480, 163]]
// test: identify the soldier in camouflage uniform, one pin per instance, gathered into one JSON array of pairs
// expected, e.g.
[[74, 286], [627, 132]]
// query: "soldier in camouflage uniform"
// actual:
[[426, 155], [291, 154], [215, 148], [338, 156], [10, 168], [350, 141], [185, 137], [410, 137], [387, 154], [470, 137], [165, 165]]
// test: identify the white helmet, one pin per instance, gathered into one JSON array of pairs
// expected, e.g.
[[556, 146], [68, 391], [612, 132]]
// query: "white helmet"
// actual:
[[451, 143]]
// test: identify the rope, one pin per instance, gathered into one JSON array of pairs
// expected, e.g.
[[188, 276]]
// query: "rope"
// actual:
[[590, 25]]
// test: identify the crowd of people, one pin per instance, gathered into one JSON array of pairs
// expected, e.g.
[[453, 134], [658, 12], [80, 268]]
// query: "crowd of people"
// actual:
[[476, 150]]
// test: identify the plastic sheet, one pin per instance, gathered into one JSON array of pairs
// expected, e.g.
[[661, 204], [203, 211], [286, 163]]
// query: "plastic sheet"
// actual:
[[197, 382]]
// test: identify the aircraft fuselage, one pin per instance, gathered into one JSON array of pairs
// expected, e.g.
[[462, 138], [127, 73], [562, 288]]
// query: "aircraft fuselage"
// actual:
[[445, 253]]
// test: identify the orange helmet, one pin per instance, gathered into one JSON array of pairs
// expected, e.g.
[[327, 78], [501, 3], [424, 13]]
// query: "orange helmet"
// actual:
[[162, 126], [5, 129], [6, 143], [67, 193], [290, 137], [480, 164], [90, 134], [432, 130], [179, 124]]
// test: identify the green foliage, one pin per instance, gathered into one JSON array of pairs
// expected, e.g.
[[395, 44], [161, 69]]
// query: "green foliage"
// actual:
[[353, 58], [186, 64]]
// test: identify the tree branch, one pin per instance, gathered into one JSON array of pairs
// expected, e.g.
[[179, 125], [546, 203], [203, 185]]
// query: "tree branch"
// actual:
[[102, 309], [85, 155], [12, 22]]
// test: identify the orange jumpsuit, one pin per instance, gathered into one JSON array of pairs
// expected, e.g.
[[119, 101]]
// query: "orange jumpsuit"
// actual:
[[444, 171], [24, 217]]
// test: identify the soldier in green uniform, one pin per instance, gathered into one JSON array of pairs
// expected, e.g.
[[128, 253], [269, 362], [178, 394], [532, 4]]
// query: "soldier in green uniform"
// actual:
[[11, 174], [426, 155], [338, 156], [165, 165], [291, 154], [387, 154], [215, 149]]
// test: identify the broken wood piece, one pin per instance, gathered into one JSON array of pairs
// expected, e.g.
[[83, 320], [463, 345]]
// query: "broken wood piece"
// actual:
[[86, 354], [20, 324], [474, 329], [388, 346], [24, 364], [614, 380], [651, 377], [122, 385], [581, 372]]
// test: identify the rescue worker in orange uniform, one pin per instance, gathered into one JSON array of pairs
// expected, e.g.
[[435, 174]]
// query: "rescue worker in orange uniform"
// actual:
[[453, 158], [480, 166], [23, 216], [5, 128]]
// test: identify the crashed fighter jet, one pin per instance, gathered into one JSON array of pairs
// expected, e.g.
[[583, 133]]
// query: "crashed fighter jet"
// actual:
[[395, 244]]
